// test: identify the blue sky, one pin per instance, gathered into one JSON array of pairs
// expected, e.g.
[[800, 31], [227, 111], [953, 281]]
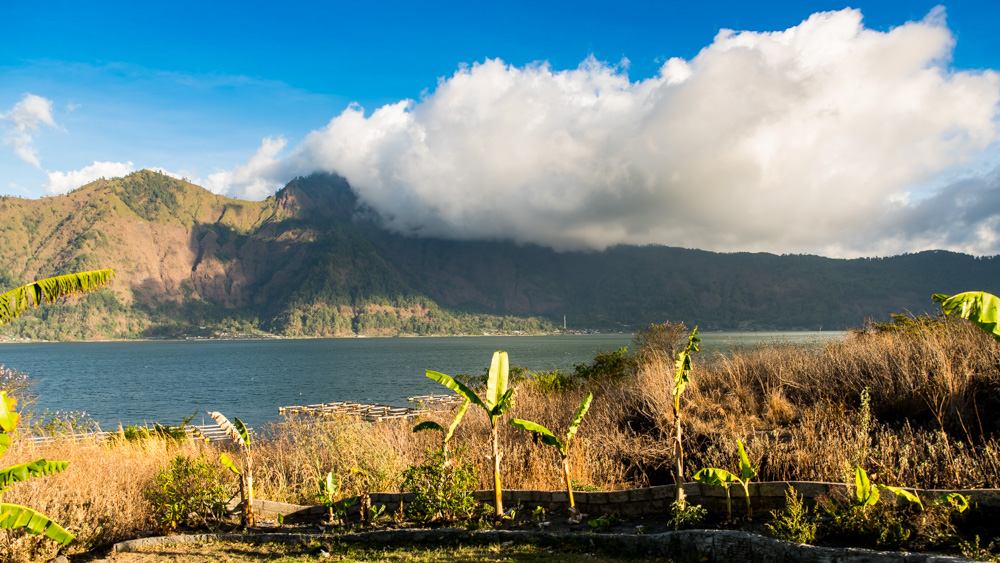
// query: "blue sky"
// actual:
[[241, 97]]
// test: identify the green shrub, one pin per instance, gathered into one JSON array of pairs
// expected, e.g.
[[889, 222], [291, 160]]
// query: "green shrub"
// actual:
[[553, 381], [880, 524], [610, 365], [684, 515], [188, 493], [793, 523], [443, 491]]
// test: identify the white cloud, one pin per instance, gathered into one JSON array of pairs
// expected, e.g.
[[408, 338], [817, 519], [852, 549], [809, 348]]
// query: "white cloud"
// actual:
[[23, 121], [259, 178], [821, 138], [62, 182]]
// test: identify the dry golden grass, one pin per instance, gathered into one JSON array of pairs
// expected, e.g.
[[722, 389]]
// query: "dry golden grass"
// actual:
[[99, 497]]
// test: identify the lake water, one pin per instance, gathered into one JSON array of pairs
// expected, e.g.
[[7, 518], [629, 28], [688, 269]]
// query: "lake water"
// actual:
[[164, 381]]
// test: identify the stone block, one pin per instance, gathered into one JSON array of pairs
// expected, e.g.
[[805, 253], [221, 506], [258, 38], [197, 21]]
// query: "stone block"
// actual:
[[640, 495], [618, 496]]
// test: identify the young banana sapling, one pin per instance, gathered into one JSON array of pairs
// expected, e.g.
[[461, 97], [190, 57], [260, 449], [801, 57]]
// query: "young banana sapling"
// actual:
[[682, 376], [562, 446], [723, 478], [239, 433], [498, 400]]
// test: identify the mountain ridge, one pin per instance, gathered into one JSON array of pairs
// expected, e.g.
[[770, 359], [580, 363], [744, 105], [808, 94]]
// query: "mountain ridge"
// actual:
[[310, 261]]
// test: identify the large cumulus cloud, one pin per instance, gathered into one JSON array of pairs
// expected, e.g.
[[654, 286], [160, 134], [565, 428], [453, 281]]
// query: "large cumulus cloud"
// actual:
[[826, 137]]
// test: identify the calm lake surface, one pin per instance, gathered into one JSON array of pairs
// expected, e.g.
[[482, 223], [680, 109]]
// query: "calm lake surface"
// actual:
[[164, 381]]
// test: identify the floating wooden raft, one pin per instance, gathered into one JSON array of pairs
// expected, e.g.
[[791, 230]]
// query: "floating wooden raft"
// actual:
[[372, 413], [211, 432]]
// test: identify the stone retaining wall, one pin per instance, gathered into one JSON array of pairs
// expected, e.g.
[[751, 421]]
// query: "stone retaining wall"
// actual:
[[635, 502]]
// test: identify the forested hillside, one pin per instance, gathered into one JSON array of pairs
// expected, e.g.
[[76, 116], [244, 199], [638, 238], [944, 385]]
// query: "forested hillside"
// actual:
[[309, 262]]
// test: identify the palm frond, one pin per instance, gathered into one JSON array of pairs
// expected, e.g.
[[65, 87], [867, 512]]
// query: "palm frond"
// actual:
[[49, 290]]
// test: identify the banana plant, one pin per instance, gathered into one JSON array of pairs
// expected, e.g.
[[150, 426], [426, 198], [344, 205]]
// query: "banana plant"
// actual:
[[328, 489], [866, 494], [977, 306], [49, 290], [723, 478], [498, 400], [14, 516], [239, 433], [682, 376], [446, 434], [562, 446]]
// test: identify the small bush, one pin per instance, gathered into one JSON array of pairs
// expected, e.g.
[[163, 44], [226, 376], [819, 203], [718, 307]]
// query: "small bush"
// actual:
[[188, 493], [793, 523], [973, 550], [554, 381], [443, 490], [684, 515]]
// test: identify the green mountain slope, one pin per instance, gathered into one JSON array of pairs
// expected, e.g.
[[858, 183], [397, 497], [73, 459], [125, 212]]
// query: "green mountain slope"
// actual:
[[308, 262]]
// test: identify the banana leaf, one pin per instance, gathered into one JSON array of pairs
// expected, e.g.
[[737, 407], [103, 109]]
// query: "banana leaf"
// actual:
[[456, 386], [715, 476], [496, 383], [49, 290], [578, 418], [544, 433], [228, 463], [864, 492], [14, 516], [902, 493], [8, 416], [747, 471], [25, 471], [977, 306]]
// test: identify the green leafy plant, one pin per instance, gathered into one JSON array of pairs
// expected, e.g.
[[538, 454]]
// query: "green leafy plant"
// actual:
[[973, 550], [15, 516], [682, 376], [865, 492], [723, 478], [375, 512], [862, 517], [562, 446], [239, 433], [329, 487], [604, 521], [187, 493], [441, 491], [793, 523], [49, 290], [498, 400], [538, 514], [977, 306], [684, 515]]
